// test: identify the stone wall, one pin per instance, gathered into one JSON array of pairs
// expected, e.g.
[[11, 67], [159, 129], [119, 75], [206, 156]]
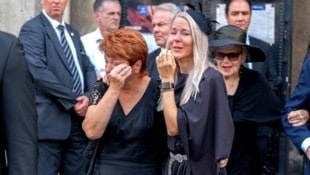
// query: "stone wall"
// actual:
[[301, 37], [14, 13], [82, 15]]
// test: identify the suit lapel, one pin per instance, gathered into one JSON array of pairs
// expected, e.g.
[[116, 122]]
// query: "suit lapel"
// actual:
[[51, 34], [76, 42], [252, 41]]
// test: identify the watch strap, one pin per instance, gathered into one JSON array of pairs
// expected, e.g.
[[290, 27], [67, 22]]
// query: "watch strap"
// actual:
[[167, 85]]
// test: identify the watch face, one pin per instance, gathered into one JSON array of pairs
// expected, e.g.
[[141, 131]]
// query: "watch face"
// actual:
[[167, 85]]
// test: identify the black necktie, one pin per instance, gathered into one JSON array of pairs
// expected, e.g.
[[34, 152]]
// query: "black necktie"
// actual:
[[77, 88]]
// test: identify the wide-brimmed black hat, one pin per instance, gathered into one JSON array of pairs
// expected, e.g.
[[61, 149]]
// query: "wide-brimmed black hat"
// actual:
[[233, 35]]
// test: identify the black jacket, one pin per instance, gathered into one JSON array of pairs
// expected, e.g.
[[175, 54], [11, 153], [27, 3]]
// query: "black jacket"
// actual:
[[17, 110]]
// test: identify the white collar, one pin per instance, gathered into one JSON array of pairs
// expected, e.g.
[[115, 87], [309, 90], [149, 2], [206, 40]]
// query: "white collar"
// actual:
[[53, 22]]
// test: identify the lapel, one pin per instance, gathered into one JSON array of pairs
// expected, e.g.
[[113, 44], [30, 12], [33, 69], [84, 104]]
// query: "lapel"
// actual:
[[76, 42], [252, 41], [51, 34]]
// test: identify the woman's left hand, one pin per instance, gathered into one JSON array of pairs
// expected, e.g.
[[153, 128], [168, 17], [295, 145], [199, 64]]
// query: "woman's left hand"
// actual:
[[222, 163], [166, 65]]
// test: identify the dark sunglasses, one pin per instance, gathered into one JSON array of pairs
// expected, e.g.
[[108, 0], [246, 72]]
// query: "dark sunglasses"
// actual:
[[231, 56]]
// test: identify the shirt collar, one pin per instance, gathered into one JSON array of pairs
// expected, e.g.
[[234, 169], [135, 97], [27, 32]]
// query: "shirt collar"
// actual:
[[53, 22], [98, 36], [247, 40]]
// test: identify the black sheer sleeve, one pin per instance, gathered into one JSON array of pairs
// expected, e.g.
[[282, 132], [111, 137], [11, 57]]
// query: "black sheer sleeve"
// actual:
[[98, 90]]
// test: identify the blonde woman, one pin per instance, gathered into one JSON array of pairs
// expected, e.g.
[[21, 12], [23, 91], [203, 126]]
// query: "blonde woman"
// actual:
[[194, 100]]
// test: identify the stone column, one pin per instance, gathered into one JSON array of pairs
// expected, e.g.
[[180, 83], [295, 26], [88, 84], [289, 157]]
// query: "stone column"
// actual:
[[81, 16], [13, 14], [300, 37]]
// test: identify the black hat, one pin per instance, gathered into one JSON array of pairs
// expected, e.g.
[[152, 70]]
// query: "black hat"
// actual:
[[203, 22], [196, 6], [233, 35]]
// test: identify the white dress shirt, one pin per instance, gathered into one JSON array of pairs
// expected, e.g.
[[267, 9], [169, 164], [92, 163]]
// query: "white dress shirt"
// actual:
[[305, 144], [91, 42], [150, 41]]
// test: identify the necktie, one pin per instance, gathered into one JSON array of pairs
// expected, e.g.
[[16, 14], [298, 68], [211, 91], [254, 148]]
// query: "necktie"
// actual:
[[77, 88]]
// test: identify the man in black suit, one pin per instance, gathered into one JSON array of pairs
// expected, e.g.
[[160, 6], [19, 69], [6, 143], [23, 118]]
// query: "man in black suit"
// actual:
[[239, 12], [18, 125], [64, 77], [161, 20]]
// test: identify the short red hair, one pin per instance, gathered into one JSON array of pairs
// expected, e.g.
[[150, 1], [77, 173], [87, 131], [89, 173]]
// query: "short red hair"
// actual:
[[127, 44]]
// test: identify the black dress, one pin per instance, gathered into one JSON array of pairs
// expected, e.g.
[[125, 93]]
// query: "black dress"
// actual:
[[132, 144], [205, 127], [253, 104]]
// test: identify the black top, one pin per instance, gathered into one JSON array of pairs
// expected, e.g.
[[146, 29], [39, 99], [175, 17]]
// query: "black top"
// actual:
[[254, 100], [205, 126], [135, 143], [254, 104]]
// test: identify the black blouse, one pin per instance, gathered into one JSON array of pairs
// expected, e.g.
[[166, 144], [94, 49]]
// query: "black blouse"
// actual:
[[205, 126], [134, 143]]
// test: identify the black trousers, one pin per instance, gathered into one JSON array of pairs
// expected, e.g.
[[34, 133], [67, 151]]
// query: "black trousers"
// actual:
[[64, 156]]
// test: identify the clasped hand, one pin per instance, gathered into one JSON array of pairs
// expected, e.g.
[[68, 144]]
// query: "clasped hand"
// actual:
[[166, 65], [298, 117]]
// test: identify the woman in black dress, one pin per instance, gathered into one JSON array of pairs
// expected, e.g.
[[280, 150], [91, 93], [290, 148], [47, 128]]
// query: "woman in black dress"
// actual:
[[251, 98], [194, 100], [122, 113]]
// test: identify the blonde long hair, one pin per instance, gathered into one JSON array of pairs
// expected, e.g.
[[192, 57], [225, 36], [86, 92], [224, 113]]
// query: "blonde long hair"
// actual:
[[200, 56]]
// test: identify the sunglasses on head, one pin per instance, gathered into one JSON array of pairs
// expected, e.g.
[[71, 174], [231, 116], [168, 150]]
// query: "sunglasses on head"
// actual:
[[232, 56]]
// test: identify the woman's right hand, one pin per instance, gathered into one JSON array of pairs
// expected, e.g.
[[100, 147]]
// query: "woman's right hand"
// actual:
[[118, 75], [166, 65], [298, 117]]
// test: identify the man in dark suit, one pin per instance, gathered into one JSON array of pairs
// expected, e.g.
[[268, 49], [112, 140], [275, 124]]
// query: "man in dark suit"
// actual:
[[64, 77], [292, 114], [161, 20], [18, 125], [239, 13]]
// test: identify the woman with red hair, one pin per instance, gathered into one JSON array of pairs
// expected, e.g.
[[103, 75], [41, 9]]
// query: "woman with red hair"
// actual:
[[122, 112]]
